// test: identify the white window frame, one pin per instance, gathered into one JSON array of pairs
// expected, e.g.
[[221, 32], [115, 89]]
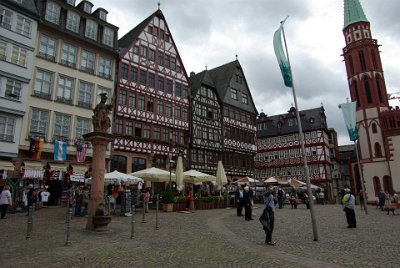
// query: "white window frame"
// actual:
[[62, 126], [73, 21], [19, 56], [13, 89], [88, 61], [105, 67], [3, 50], [85, 94], [7, 127], [53, 12], [5, 18], [39, 121], [91, 29], [71, 2], [82, 127], [69, 54], [23, 26], [65, 89], [48, 47], [234, 94], [245, 98], [43, 83], [87, 8], [108, 37]]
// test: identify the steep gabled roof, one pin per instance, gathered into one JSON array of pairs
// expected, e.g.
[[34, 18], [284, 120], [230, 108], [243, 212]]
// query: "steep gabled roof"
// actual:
[[197, 80], [128, 38], [353, 12], [311, 119], [27, 7]]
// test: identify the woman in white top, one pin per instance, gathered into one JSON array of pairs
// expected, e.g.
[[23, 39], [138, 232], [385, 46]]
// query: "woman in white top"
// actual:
[[5, 200]]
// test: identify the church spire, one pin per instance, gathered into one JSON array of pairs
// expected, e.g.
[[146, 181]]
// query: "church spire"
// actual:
[[353, 12]]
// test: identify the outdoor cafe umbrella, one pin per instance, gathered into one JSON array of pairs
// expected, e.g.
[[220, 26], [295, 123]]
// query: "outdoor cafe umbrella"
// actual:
[[296, 183], [119, 177], [221, 176], [155, 175], [248, 180], [179, 174], [271, 180], [194, 176]]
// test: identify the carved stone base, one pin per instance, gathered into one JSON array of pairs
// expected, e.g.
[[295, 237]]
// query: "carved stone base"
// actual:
[[101, 223]]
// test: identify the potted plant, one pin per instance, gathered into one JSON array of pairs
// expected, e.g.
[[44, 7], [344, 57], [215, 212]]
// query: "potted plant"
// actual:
[[168, 200]]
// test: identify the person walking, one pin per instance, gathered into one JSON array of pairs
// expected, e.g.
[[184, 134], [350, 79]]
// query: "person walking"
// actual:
[[146, 199], [349, 202], [247, 198], [5, 200], [239, 200], [381, 198], [267, 218], [281, 197]]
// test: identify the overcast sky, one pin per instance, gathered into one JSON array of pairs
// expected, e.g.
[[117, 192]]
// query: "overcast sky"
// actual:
[[211, 32]]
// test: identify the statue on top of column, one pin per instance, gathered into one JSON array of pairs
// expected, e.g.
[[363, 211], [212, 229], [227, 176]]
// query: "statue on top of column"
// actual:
[[101, 121]]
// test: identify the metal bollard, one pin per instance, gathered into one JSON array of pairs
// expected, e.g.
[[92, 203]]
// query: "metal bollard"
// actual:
[[30, 222], [143, 214], [66, 214], [67, 242], [157, 227], [132, 222]]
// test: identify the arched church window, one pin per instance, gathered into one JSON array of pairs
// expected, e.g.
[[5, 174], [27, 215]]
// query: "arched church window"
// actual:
[[378, 150], [374, 128], [362, 60], [377, 185], [351, 64], [378, 88], [367, 90]]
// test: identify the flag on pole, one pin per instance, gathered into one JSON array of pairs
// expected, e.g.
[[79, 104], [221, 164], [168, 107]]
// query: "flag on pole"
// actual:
[[281, 57], [81, 152], [60, 150], [350, 118], [35, 147]]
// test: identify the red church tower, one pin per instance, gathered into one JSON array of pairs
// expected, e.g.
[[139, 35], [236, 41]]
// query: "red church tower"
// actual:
[[378, 140]]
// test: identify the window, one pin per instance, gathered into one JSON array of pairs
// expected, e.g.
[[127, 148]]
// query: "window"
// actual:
[[152, 54], [105, 68], [160, 107], [5, 18], [13, 89], [71, 2], [167, 61], [91, 29], [3, 50], [178, 89], [168, 109], [160, 83], [157, 133], [103, 15], [185, 91], [141, 102], [143, 77], [65, 89], [82, 127], [85, 95], [62, 125], [68, 55], [122, 97], [150, 105], [118, 126], [43, 84], [146, 132], [168, 86], [143, 52], [88, 60], [73, 21], [173, 63], [138, 164], [234, 94], [87, 7], [47, 48], [245, 98], [52, 12], [362, 60], [184, 114], [18, 56], [378, 150], [108, 37], [374, 128], [160, 58], [118, 163], [178, 111], [138, 130], [367, 91], [124, 71], [132, 100], [133, 74], [39, 121], [129, 128], [23, 26], [7, 127], [151, 80], [351, 65]]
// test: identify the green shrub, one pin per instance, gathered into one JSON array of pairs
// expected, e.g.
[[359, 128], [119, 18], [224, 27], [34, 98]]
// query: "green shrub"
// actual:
[[167, 196]]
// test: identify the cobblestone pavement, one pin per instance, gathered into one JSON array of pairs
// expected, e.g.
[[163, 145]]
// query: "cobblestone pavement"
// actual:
[[206, 238]]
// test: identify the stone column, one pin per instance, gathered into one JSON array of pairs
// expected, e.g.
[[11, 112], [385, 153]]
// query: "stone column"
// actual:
[[99, 142]]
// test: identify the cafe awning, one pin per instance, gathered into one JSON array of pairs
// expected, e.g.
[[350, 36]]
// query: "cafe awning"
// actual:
[[79, 169], [6, 165], [33, 170]]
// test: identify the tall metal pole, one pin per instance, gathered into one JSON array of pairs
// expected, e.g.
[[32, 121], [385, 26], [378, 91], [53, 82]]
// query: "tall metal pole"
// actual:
[[362, 179], [303, 150]]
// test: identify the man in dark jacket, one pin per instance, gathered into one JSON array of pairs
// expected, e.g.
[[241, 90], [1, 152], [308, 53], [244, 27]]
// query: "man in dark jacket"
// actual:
[[267, 219], [247, 200], [239, 200]]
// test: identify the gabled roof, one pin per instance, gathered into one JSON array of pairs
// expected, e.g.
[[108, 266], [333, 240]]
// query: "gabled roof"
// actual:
[[311, 119], [196, 80], [353, 12], [27, 7], [222, 77], [128, 38]]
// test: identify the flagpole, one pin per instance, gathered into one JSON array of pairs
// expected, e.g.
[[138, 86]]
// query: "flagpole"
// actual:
[[303, 150], [362, 179]]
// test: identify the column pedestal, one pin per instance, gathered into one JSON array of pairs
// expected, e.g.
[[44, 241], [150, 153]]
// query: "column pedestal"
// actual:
[[99, 142]]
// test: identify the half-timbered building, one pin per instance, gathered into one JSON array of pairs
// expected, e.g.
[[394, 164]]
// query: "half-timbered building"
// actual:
[[152, 99], [378, 124], [279, 148], [224, 121]]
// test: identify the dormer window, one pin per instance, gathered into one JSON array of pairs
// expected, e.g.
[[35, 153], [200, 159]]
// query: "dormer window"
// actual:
[[18, 1], [87, 8], [71, 2], [103, 15], [73, 21], [91, 29], [53, 13], [108, 37]]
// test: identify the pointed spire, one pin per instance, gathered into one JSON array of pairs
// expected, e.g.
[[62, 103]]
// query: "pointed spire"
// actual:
[[158, 5], [353, 12]]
